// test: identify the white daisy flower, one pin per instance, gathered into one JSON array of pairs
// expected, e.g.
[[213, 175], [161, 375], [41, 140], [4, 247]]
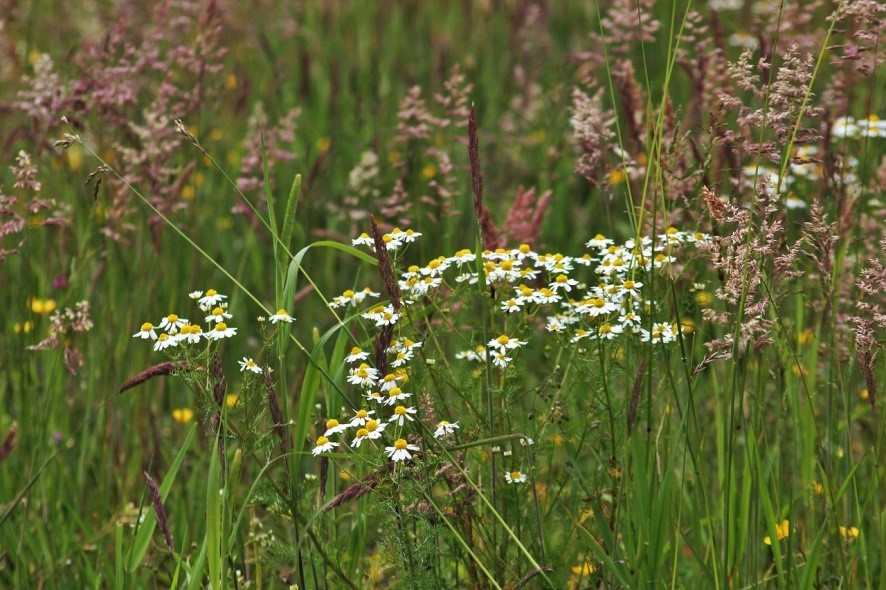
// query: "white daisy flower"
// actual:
[[146, 332], [165, 341], [172, 323], [333, 426], [219, 314], [323, 445], [395, 395], [356, 354], [445, 428], [515, 477], [364, 376], [402, 414], [221, 331], [247, 364], [281, 316], [360, 418], [400, 450], [210, 299]]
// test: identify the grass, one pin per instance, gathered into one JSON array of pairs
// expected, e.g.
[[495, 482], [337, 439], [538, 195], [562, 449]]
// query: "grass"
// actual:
[[736, 443]]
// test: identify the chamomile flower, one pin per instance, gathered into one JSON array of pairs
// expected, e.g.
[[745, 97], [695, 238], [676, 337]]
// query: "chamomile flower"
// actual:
[[361, 435], [333, 426], [462, 256], [281, 316], [210, 299], [580, 334], [190, 333], [165, 341], [478, 354], [221, 331], [361, 416], [218, 314], [511, 305], [364, 376], [402, 358], [172, 323], [374, 428], [146, 332], [400, 450], [382, 315], [563, 282], [363, 240], [505, 343], [247, 364], [500, 359], [661, 332], [609, 331], [515, 477], [445, 428], [195, 295], [356, 354], [402, 414], [599, 242], [323, 445], [395, 395], [629, 287]]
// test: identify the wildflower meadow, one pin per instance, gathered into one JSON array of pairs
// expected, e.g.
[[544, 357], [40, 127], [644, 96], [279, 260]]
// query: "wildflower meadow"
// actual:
[[490, 294]]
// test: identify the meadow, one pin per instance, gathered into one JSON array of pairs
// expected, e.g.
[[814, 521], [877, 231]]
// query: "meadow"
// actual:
[[397, 294]]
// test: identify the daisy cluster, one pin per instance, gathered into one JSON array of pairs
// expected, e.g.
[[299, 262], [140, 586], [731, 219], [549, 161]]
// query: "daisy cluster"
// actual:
[[527, 282], [175, 331], [849, 127], [389, 411]]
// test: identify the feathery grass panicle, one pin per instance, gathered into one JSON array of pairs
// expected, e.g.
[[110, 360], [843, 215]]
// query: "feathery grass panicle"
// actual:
[[159, 510]]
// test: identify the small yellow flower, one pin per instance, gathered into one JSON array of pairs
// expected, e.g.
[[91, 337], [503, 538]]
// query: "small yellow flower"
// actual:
[[817, 488], [216, 134], [537, 137], [74, 156], [584, 569], [183, 415], [805, 337], [189, 193], [43, 306], [230, 81], [782, 530], [864, 394], [616, 177], [25, 327], [429, 171], [849, 532], [557, 439], [323, 144], [232, 399], [703, 299]]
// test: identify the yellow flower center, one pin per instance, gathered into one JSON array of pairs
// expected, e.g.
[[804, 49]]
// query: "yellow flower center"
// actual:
[[629, 284], [281, 311], [331, 423], [146, 327], [362, 414], [172, 318], [322, 441], [503, 340], [221, 327], [400, 444], [372, 425], [211, 293], [217, 311], [362, 433], [348, 294], [400, 410], [515, 475], [605, 329]]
